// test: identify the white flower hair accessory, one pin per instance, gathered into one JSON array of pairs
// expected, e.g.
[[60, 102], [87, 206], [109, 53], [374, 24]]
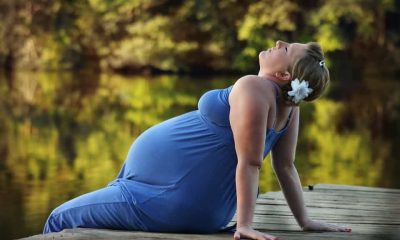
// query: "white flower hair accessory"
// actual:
[[300, 90]]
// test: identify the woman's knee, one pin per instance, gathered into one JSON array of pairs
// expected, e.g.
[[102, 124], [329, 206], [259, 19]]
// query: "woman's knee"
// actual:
[[64, 216], [104, 208], [53, 223]]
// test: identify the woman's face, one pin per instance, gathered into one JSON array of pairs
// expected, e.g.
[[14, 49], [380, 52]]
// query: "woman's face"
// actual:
[[279, 58]]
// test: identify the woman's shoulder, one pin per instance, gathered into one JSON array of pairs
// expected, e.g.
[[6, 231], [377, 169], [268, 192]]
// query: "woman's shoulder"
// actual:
[[256, 86]]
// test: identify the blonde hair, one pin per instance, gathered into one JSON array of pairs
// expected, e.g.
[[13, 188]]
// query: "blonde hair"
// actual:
[[308, 68]]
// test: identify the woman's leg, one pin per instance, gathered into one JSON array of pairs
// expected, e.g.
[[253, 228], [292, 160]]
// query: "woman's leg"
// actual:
[[104, 208]]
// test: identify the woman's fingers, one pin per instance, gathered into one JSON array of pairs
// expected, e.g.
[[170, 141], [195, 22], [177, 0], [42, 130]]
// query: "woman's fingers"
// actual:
[[270, 237], [236, 236], [253, 234], [323, 226], [337, 228], [264, 236], [344, 229]]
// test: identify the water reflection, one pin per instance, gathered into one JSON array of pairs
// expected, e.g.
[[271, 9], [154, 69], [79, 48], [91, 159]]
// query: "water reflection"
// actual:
[[63, 134]]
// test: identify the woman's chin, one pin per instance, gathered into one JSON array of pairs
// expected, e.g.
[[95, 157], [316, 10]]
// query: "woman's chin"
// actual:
[[262, 55]]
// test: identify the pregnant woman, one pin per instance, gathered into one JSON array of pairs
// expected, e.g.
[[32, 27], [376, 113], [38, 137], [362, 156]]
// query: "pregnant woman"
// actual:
[[191, 173]]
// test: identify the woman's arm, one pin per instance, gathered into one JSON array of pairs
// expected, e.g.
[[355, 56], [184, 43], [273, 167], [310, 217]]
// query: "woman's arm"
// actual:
[[283, 156], [248, 117]]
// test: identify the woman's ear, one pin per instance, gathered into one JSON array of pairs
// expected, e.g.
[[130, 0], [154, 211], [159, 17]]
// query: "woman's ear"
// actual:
[[283, 76]]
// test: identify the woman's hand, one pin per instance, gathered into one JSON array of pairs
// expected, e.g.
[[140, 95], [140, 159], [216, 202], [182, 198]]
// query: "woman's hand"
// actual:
[[248, 232], [312, 225]]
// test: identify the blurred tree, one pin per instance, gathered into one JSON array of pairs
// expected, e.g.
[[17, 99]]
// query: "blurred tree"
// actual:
[[264, 23], [355, 26], [193, 36], [13, 30]]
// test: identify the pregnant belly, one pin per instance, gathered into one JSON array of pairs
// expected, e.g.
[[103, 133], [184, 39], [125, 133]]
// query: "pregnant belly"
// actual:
[[178, 147]]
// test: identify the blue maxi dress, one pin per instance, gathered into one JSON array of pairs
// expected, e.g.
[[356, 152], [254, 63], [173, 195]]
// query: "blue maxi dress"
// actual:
[[178, 176]]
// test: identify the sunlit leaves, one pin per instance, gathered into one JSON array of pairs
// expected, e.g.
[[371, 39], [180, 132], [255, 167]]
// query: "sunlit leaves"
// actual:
[[264, 23], [335, 20], [275, 14], [151, 44], [182, 35], [329, 38]]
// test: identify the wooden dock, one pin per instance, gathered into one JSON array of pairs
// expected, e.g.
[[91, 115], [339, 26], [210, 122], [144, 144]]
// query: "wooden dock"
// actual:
[[372, 213]]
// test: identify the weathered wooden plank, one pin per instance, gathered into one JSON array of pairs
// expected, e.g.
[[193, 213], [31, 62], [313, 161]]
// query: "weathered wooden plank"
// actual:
[[372, 213], [340, 210], [357, 211], [392, 206], [394, 192], [354, 188], [333, 236], [328, 202], [286, 235], [361, 199], [359, 228], [331, 219], [330, 215], [365, 197], [87, 233]]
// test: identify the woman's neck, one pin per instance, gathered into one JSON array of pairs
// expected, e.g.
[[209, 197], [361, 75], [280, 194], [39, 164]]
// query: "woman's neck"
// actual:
[[271, 77]]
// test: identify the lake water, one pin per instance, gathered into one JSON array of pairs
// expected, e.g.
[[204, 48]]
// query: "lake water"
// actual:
[[64, 134]]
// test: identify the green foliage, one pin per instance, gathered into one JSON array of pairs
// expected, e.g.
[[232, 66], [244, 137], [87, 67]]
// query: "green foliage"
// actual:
[[263, 24], [333, 17], [184, 35]]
